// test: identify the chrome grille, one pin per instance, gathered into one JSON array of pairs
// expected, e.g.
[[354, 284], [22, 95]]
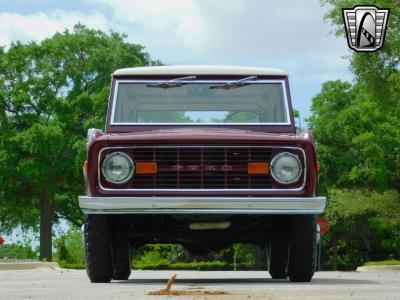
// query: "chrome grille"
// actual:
[[199, 167]]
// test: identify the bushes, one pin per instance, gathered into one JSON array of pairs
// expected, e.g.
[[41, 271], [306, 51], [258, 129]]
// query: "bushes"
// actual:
[[18, 251], [245, 254], [388, 262], [176, 257], [159, 254], [365, 226], [69, 249]]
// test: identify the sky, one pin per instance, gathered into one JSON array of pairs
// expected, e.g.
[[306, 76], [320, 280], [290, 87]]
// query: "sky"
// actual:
[[289, 34]]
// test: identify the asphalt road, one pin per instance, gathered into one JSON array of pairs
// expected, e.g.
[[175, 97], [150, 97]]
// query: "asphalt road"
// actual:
[[73, 284]]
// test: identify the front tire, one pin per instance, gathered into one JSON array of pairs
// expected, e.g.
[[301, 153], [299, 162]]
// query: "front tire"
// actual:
[[278, 258], [122, 259], [302, 248], [98, 248]]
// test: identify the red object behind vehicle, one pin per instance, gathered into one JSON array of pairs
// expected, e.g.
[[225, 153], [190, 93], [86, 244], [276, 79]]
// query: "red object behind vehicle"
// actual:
[[323, 224], [1, 240]]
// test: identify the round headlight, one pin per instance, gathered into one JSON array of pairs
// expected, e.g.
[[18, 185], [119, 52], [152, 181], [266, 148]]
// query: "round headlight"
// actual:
[[117, 167], [286, 168]]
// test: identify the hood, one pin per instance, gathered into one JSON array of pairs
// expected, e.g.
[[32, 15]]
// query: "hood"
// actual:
[[203, 135]]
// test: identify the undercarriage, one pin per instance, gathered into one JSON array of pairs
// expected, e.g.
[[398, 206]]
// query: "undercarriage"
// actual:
[[205, 232]]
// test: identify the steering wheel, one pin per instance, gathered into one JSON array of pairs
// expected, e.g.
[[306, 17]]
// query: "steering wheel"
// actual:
[[232, 114]]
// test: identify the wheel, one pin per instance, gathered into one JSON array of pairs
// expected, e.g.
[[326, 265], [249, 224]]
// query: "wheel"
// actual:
[[278, 258], [99, 263], [122, 259], [302, 248]]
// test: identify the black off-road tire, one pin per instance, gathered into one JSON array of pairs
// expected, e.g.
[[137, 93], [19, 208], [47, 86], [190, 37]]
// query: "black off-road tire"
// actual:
[[278, 258], [122, 259], [98, 248], [302, 248]]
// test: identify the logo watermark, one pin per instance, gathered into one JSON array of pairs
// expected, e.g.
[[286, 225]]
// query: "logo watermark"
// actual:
[[365, 27]]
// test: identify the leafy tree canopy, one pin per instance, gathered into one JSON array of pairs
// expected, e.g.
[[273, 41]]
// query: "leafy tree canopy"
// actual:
[[50, 94], [357, 124]]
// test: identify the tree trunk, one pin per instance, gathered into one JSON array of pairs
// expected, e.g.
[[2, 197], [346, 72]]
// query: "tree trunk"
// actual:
[[46, 216]]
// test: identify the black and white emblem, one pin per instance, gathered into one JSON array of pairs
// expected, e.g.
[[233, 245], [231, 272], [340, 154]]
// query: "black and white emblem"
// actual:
[[365, 27]]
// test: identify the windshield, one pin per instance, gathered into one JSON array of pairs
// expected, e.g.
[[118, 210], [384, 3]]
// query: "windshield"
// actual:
[[188, 102]]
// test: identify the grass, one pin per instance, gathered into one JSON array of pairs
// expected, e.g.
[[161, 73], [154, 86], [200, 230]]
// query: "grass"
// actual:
[[388, 262], [203, 266], [66, 265]]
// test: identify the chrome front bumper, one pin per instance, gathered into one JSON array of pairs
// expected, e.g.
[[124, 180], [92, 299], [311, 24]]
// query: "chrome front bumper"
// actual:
[[202, 205]]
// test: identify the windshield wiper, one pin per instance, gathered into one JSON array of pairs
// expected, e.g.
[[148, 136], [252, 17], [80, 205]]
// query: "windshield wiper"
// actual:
[[234, 84], [171, 83]]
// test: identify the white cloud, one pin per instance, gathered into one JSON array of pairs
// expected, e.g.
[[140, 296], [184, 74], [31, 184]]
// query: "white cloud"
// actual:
[[171, 30], [37, 26], [236, 30]]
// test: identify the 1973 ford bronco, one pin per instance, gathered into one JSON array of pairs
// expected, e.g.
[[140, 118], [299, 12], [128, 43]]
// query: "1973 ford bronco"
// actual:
[[204, 156]]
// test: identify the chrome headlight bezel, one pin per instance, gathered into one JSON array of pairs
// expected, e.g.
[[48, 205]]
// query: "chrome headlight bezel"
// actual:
[[279, 156], [106, 161]]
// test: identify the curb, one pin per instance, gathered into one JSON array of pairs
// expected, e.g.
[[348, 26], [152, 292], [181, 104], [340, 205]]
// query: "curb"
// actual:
[[14, 266], [378, 268]]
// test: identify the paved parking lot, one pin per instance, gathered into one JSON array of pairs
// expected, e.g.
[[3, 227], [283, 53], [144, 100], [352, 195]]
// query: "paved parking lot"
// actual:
[[73, 284]]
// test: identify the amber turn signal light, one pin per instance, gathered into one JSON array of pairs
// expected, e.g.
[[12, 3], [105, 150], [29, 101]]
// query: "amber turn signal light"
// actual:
[[84, 169], [146, 168], [318, 166], [254, 168]]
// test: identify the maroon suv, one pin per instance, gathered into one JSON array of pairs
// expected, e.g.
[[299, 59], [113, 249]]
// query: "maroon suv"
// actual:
[[204, 156]]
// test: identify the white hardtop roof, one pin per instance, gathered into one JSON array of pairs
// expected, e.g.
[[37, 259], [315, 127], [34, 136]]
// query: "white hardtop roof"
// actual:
[[199, 70]]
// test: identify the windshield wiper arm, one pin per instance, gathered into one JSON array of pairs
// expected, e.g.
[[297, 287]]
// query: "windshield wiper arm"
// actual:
[[234, 84], [171, 83]]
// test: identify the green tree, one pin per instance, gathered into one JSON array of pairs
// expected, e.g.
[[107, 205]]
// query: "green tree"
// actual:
[[357, 127], [50, 94], [357, 124]]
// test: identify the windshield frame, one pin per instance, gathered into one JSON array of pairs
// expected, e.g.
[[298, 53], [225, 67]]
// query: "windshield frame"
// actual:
[[283, 83]]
